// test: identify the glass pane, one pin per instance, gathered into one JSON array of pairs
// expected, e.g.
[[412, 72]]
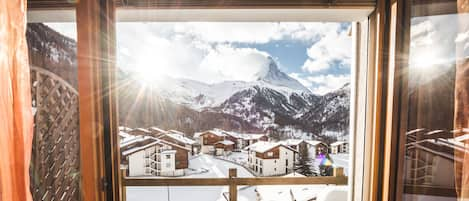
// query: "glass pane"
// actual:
[[436, 146], [269, 99], [55, 158]]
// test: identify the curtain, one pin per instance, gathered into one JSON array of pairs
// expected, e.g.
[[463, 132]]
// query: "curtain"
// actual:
[[15, 103], [461, 104]]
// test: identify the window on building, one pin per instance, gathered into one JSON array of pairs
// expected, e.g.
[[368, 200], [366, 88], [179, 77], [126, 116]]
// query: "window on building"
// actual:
[[168, 156], [270, 154]]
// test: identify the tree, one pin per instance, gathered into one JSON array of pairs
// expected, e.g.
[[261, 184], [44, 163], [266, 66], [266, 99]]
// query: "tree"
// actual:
[[305, 164]]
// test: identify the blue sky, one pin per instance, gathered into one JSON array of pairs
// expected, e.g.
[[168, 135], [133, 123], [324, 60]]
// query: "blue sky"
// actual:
[[316, 54]]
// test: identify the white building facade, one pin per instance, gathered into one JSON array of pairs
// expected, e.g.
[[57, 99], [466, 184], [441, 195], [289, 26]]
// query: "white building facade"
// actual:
[[270, 159]]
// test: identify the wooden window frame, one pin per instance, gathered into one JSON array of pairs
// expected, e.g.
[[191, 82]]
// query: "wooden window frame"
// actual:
[[376, 82]]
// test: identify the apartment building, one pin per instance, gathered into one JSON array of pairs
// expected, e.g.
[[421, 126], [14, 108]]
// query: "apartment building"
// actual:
[[269, 158]]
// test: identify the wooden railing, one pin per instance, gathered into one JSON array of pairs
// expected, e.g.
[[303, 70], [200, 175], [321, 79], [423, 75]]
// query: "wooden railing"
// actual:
[[233, 181]]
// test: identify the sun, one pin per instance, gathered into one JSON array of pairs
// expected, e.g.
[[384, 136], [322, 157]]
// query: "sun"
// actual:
[[150, 69]]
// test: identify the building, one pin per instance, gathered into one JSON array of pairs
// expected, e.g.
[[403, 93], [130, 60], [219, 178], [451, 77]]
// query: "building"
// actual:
[[339, 147], [269, 159], [316, 148], [179, 139], [207, 139], [294, 143], [242, 140], [148, 156], [224, 147]]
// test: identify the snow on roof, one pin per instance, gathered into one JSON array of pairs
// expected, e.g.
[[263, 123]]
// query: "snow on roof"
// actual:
[[313, 142], [225, 142], [244, 136], [338, 143], [263, 146], [215, 131], [180, 138], [290, 192], [123, 128], [291, 142], [148, 141], [140, 129], [136, 149], [154, 128], [125, 135]]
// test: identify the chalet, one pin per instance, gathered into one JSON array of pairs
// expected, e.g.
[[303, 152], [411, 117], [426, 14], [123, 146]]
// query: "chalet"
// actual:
[[207, 139], [148, 156], [242, 140], [339, 147], [179, 139], [316, 148], [224, 147], [269, 159]]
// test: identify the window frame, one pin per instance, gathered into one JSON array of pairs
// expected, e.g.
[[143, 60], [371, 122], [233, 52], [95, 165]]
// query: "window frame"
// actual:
[[99, 126]]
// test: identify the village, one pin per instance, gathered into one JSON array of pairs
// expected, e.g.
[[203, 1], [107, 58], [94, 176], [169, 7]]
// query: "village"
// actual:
[[154, 152]]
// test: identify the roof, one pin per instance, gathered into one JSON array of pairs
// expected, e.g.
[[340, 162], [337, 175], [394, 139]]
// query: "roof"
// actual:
[[180, 138], [244, 136], [140, 129], [146, 141], [314, 142], [338, 143], [291, 142], [153, 128], [225, 142], [262, 146], [216, 131], [125, 135], [139, 148], [123, 128]]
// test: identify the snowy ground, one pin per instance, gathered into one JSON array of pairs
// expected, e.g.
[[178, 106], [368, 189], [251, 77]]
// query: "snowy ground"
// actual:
[[341, 160], [216, 169], [237, 157]]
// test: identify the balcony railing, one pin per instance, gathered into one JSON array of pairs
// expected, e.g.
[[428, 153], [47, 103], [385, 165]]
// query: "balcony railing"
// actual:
[[233, 181]]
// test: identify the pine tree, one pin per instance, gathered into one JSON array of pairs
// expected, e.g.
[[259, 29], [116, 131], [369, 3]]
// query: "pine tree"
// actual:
[[305, 164]]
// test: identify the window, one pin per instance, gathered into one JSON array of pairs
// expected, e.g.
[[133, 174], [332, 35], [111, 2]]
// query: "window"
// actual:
[[168, 156], [145, 120], [270, 154], [434, 134]]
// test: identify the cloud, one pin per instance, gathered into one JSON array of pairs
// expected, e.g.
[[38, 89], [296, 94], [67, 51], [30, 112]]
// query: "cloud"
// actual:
[[333, 49], [228, 63], [323, 84], [183, 57]]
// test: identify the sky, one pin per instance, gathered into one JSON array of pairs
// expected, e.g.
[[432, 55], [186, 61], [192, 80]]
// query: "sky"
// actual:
[[316, 54]]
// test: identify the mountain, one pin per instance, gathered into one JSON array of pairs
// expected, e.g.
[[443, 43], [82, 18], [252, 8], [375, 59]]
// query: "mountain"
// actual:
[[199, 96], [273, 102], [50, 50], [331, 114], [277, 79]]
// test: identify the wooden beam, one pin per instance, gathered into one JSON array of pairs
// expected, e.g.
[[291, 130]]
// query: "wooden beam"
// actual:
[[233, 187], [339, 180], [171, 4], [95, 57]]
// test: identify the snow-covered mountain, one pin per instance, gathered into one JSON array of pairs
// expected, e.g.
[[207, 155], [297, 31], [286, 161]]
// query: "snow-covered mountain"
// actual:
[[198, 95], [274, 101]]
